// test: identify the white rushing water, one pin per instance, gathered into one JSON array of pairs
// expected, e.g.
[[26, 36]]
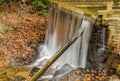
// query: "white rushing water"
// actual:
[[102, 49], [85, 43], [103, 39], [61, 27]]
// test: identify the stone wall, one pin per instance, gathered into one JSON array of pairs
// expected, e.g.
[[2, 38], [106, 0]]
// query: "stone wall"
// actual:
[[113, 63], [114, 27]]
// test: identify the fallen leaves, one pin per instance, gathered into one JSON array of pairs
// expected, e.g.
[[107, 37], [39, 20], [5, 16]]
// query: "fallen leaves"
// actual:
[[85, 74], [25, 30]]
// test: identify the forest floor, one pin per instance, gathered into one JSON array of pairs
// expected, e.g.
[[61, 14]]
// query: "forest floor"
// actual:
[[21, 28]]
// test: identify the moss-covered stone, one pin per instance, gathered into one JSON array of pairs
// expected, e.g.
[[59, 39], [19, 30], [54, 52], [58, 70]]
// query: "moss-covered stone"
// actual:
[[14, 73]]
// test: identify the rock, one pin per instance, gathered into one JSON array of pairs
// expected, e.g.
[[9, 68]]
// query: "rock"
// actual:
[[14, 73], [63, 71], [45, 78], [33, 71], [114, 78]]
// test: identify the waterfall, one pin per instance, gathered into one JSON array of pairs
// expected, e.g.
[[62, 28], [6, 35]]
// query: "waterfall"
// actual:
[[63, 23]]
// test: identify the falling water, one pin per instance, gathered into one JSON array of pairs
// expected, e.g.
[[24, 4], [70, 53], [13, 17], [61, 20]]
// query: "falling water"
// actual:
[[63, 23], [103, 38], [85, 43], [102, 49]]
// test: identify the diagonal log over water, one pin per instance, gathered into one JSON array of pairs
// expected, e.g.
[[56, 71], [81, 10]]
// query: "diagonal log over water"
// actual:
[[58, 54]]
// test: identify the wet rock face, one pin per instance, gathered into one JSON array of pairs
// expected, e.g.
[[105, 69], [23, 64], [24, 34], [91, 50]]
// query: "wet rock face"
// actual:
[[97, 46]]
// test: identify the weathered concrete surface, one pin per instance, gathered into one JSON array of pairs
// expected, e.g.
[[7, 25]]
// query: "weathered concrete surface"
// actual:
[[93, 7]]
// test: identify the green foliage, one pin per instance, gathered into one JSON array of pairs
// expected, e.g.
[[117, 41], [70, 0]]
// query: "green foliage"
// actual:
[[1, 13], [42, 5], [103, 19], [42, 12], [1, 2]]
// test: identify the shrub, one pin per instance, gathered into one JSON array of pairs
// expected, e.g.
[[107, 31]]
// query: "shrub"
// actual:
[[42, 5], [1, 2]]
